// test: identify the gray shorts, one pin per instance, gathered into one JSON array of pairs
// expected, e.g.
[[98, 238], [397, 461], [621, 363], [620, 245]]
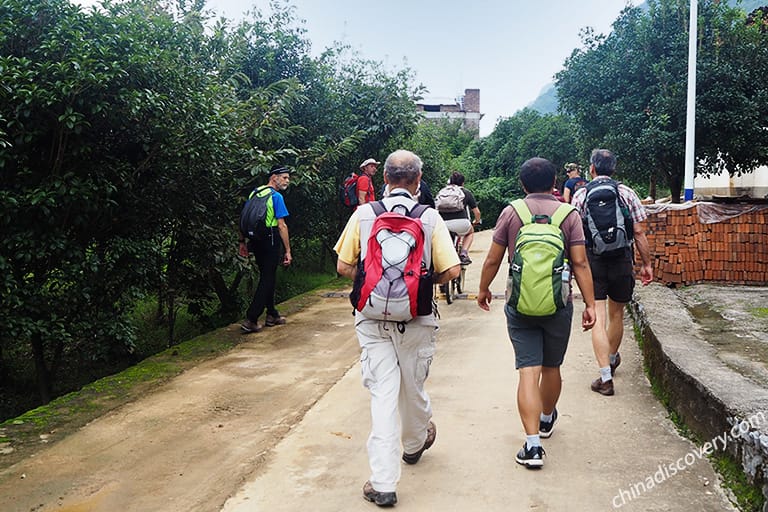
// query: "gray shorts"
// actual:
[[459, 226], [539, 341]]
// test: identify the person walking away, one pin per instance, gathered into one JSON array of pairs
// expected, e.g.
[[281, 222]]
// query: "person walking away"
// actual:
[[455, 203], [266, 250], [573, 182], [540, 341], [396, 355], [612, 265], [365, 191]]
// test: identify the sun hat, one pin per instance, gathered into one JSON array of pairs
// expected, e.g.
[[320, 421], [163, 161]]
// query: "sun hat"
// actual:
[[369, 161]]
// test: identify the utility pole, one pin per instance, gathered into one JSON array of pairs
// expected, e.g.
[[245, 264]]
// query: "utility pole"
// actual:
[[690, 123]]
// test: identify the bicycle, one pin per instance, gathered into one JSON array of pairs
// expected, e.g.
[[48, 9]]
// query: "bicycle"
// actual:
[[455, 285]]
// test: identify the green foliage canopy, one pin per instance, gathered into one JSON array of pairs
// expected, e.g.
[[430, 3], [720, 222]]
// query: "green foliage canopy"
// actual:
[[129, 137], [627, 91]]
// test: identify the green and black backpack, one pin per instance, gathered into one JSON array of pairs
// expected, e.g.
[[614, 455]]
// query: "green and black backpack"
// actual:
[[539, 278], [253, 218]]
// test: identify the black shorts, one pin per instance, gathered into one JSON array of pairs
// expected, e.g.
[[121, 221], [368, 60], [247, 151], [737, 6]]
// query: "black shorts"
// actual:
[[613, 277]]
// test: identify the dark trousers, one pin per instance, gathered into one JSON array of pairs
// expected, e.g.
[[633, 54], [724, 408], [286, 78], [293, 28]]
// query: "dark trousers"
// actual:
[[267, 254]]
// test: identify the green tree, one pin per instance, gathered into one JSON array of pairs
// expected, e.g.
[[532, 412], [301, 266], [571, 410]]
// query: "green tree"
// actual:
[[627, 91], [492, 164], [438, 144]]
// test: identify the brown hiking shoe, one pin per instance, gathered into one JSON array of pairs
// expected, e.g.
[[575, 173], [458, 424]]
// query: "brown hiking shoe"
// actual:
[[413, 458], [248, 327], [382, 499], [604, 388], [274, 320]]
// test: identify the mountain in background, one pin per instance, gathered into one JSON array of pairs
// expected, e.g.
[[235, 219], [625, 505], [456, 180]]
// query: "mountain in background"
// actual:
[[546, 102]]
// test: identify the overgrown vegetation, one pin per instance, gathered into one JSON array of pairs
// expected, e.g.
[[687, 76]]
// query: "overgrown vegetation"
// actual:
[[129, 136]]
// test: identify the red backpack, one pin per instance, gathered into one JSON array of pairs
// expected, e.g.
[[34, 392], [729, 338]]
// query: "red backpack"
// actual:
[[392, 282], [348, 191]]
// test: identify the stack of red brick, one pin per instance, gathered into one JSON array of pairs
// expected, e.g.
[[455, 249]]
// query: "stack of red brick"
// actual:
[[685, 250]]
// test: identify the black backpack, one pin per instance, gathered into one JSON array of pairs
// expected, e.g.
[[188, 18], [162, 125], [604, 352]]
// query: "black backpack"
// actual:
[[253, 217], [607, 224]]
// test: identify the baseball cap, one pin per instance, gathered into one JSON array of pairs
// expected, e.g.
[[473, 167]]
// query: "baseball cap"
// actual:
[[280, 170], [369, 161]]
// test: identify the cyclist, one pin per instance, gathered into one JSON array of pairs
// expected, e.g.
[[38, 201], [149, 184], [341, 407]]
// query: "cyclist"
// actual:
[[458, 220]]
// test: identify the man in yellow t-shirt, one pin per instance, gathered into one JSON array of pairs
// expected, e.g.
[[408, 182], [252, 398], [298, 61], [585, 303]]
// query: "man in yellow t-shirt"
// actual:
[[396, 356]]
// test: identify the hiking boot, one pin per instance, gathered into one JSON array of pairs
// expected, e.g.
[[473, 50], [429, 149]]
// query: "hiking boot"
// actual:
[[604, 388], [274, 320], [531, 458], [546, 427], [616, 364], [248, 327], [382, 499], [413, 458]]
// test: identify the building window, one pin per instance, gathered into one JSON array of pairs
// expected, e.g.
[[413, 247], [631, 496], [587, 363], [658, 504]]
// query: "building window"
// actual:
[[431, 108]]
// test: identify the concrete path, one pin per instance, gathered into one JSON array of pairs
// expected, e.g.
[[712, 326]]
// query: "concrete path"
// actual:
[[606, 453]]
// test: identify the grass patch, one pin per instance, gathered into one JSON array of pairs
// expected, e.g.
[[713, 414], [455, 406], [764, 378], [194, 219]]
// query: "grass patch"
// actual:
[[749, 497], [759, 312]]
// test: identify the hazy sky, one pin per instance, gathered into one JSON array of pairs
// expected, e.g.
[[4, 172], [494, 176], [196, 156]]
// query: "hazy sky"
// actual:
[[509, 49]]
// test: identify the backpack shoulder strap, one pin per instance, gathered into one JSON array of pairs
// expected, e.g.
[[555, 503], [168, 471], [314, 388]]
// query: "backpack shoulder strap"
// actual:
[[417, 211], [378, 208], [255, 191], [522, 211], [561, 213]]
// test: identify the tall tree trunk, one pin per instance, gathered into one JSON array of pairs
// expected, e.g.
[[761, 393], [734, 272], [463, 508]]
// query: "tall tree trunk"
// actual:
[[3, 371], [44, 387], [675, 187], [652, 187], [227, 295], [171, 317]]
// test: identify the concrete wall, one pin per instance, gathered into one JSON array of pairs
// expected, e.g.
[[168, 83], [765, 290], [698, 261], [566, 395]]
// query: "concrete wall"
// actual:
[[754, 184], [721, 406]]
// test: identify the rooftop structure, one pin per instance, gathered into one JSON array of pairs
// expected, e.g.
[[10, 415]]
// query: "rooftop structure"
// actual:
[[466, 108]]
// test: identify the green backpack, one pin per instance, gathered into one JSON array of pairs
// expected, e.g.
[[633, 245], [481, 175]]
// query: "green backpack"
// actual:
[[539, 278]]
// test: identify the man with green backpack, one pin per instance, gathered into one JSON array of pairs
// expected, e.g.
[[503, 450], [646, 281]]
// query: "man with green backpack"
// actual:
[[545, 239]]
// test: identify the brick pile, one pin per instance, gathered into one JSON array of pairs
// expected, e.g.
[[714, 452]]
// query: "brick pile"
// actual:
[[684, 250]]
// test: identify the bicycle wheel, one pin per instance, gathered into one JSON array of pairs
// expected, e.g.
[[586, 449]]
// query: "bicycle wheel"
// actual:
[[446, 289], [460, 281]]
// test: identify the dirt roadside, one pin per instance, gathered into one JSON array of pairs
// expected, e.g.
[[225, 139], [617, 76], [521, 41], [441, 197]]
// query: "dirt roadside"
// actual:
[[280, 421], [190, 443]]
